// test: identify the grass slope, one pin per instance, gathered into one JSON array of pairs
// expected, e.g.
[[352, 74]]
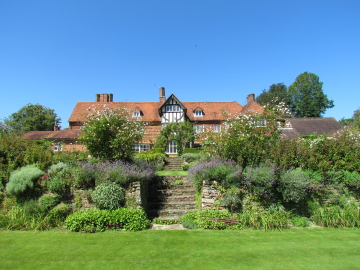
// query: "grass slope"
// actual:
[[189, 249]]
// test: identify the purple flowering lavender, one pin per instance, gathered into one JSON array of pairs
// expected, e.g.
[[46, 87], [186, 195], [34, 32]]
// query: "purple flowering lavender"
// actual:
[[117, 171], [215, 169]]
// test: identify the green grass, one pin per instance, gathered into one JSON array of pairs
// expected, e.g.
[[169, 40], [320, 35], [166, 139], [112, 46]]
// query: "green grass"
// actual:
[[311, 248], [172, 173]]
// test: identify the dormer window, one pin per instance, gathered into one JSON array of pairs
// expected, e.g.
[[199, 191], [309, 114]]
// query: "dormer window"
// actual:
[[136, 113], [198, 113]]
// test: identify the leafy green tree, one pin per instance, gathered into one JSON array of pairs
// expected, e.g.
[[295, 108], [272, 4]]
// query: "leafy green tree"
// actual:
[[354, 121], [356, 117], [181, 132], [111, 134], [348, 122], [32, 118], [275, 94], [306, 97]]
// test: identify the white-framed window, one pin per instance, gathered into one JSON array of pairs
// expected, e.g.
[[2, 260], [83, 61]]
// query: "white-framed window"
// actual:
[[259, 123], [172, 108], [136, 114], [141, 147], [57, 146], [217, 128], [198, 129], [171, 148], [198, 113]]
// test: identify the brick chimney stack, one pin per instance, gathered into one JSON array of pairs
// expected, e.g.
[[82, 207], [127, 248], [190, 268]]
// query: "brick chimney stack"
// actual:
[[250, 98], [162, 94], [56, 127], [104, 97]]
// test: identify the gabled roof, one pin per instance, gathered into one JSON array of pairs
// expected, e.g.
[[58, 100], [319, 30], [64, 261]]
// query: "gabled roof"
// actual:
[[53, 135], [148, 109], [310, 125], [172, 96], [253, 107]]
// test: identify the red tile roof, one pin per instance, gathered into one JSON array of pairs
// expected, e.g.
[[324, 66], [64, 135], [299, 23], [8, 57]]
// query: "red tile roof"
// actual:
[[53, 135], [150, 110]]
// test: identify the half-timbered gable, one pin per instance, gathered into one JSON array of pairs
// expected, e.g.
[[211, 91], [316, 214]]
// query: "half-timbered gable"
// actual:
[[172, 111]]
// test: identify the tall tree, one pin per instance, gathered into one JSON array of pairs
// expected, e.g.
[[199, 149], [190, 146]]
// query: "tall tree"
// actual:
[[307, 98], [276, 93], [32, 118]]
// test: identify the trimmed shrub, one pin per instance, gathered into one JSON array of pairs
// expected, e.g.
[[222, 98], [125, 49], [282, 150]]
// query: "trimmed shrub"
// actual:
[[23, 180], [108, 196], [99, 220]]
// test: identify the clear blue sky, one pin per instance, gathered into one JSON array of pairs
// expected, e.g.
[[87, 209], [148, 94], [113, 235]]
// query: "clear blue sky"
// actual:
[[56, 53]]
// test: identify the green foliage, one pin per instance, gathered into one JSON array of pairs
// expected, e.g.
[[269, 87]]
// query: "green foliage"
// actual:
[[246, 139], [110, 134], [163, 221], [341, 152], [99, 220], [181, 132], [49, 201], [108, 196], [185, 167], [223, 172], [277, 96], [59, 179], [33, 118], [23, 180], [70, 157], [259, 180], [264, 220], [336, 216], [307, 98], [155, 158], [299, 221], [190, 151], [294, 184], [191, 157], [16, 153], [31, 215], [202, 219]]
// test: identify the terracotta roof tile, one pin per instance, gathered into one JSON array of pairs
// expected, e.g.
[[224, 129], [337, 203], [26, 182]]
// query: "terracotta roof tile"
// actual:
[[54, 135], [150, 110]]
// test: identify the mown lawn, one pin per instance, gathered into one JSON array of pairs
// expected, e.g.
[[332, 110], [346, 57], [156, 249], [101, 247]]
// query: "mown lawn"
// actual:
[[310, 248], [172, 173]]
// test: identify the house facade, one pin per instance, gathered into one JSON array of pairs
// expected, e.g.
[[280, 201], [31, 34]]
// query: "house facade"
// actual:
[[203, 115]]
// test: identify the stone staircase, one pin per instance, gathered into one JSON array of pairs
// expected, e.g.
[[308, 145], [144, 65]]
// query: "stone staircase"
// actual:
[[173, 164], [170, 197]]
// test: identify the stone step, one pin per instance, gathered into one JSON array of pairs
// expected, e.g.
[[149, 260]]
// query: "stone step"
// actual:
[[172, 205], [168, 214], [173, 192], [174, 199]]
